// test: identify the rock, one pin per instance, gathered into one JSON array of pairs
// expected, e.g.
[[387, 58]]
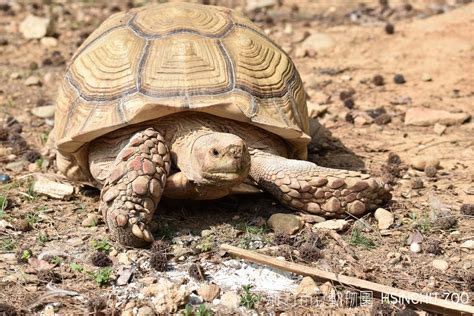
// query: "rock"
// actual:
[[166, 296], [32, 81], [57, 190], [307, 287], [48, 310], [334, 224], [49, 42], [426, 77], [179, 251], [145, 311], [4, 178], [439, 129], [259, 4], [230, 300], [430, 171], [309, 218], [123, 259], [399, 79], [285, 223], [468, 244], [16, 166], [206, 233], [420, 116], [421, 162], [318, 42], [34, 27], [415, 247], [416, 183], [440, 264], [91, 220], [209, 291], [46, 111], [384, 218], [315, 110]]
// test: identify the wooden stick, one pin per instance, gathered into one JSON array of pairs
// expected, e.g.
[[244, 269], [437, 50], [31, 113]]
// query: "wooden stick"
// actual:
[[426, 302]]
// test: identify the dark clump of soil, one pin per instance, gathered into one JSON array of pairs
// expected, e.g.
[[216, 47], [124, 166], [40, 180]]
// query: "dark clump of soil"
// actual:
[[197, 272], [281, 239], [47, 276], [446, 222], [95, 305], [383, 119], [378, 80], [349, 103], [7, 310], [17, 143], [160, 246], [158, 261], [3, 134], [467, 209], [22, 225], [392, 170], [345, 94], [389, 28], [309, 252], [431, 171], [433, 247], [100, 259], [399, 79], [376, 112], [416, 183], [31, 155]]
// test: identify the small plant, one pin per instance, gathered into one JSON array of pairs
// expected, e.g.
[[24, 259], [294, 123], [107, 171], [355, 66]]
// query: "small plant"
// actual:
[[358, 239], [101, 245], [44, 137], [102, 276], [76, 267], [42, 239], [249, 299], [200, 311], [32, 218], [7, 244], [3, 205], [30, 194], [424, 223], [39, 163], [25, 255], [56, 260]]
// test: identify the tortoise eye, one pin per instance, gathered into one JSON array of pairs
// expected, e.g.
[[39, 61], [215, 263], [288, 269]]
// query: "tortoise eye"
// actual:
[[215, 152]]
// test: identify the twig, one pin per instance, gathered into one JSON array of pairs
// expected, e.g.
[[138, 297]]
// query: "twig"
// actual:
[[378, 290], [52, 292], [331, 233]]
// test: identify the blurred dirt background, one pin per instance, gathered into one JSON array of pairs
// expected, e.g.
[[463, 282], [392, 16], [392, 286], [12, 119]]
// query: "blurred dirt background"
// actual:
[[392, 85]]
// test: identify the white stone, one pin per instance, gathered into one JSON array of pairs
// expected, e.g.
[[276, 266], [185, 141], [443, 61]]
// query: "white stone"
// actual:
[[334, 224], [34, 27], [57, 190], [307, 287], [468, 244], [420, 116], [421, 162], [415, 247], [318, 42], [46, 111], [259, 4], [230, 299], [384, 218], [440, 264], [209, 291], [32, 81], [90, 220], [49, 42]]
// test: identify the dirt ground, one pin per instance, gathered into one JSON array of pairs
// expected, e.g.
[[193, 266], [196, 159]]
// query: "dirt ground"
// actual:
[[48, 247]]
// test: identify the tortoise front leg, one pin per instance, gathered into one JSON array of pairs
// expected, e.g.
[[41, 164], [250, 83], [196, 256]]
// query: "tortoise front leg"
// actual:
[[307, 186], [134, 187]]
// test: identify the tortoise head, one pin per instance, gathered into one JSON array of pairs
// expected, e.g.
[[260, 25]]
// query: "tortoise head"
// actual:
[[219, 159]]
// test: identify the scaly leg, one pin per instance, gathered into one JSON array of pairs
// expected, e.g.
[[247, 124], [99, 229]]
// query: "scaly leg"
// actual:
[[134, 187], [323, 191]]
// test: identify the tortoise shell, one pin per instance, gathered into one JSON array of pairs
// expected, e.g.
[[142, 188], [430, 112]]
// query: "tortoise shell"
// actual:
[[162, 59]]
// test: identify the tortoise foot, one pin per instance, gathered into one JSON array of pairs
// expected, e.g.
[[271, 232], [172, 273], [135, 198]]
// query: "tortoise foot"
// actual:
[[303, 185], [134, 188]]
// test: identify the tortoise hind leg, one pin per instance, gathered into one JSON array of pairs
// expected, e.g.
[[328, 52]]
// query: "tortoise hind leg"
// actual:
[[328, 192], [134, 187]]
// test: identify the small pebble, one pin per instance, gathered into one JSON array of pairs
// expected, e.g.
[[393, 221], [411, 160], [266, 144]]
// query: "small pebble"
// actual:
[[399, 79], [378, 80], [430, 171], [467, 209], [416, 183], [383, 119], [3, 42], [4, 178], [415, 247], [426, 77], [389, 28], [349, 103], [440, 264]]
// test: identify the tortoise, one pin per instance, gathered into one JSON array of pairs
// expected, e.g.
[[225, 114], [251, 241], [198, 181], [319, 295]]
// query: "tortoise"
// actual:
[[191, 101]]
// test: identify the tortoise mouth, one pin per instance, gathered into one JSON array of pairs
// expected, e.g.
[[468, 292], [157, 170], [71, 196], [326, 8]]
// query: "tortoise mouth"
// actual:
[[228, 176]]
